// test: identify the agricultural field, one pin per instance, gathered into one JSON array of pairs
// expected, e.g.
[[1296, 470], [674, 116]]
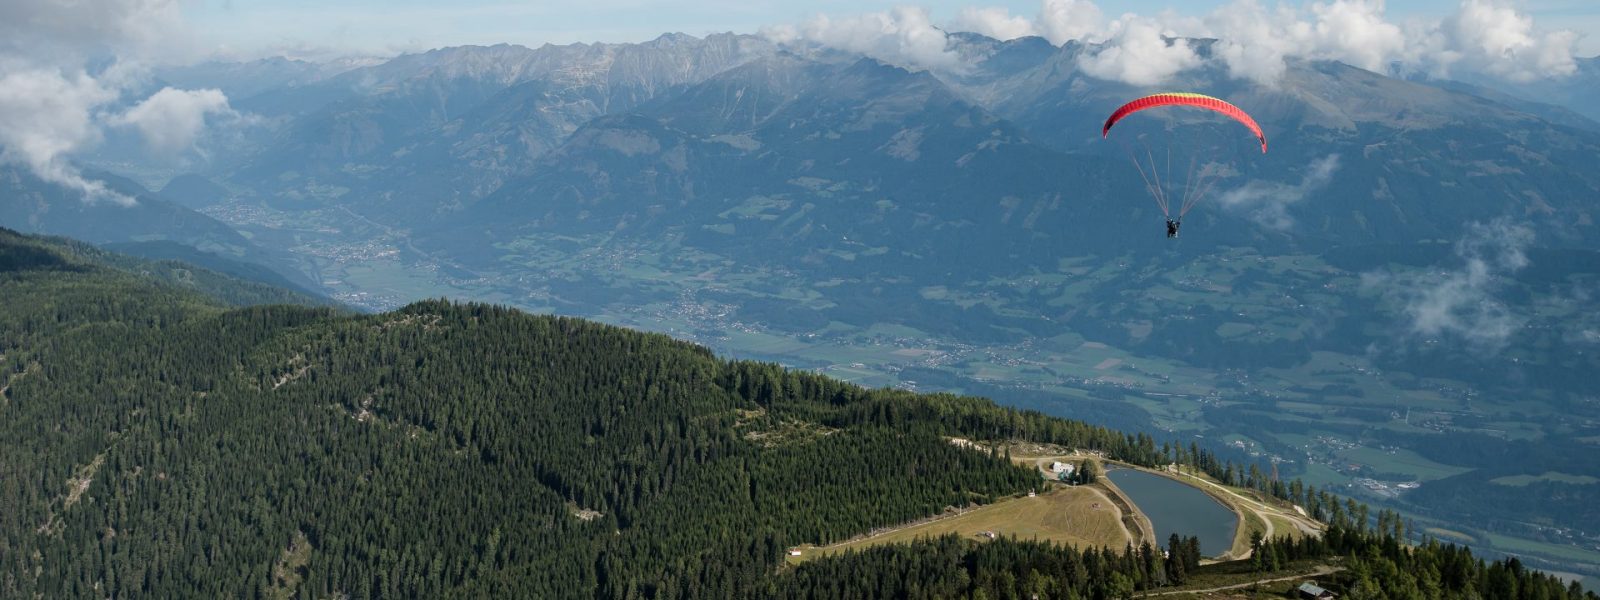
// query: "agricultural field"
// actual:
[[1525, 480]]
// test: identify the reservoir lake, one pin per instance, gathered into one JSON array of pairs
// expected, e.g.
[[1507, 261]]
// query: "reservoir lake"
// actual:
[[1174, 507]]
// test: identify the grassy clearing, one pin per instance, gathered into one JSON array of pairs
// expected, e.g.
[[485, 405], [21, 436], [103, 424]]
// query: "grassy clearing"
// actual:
[[1525, 480], [1402, 461], [290, 569], [1282, 526], [1561, 551], [1080, 516], [1450, 535]]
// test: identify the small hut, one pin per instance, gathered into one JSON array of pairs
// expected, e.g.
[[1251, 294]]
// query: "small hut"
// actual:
[[1311, 591]]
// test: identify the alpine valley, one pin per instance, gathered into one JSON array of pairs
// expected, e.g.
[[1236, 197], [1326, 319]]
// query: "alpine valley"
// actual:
[[1395, 305]]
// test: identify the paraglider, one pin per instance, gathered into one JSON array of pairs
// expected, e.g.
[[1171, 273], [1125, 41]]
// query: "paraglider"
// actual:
[[1198, 183]]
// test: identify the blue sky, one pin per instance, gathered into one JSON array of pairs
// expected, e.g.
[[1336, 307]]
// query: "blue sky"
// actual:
[[251, 27]]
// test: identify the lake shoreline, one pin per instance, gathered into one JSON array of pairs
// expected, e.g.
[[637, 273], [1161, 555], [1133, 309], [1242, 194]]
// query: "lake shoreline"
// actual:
[[1216, 524], [1141, 525]]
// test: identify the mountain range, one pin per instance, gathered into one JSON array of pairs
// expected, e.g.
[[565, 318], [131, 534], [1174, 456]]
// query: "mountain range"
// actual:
[[418, 142]]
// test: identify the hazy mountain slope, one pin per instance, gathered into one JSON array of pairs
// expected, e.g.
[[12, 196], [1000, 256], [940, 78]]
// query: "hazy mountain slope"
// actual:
[[1554, 113], [433, 132], [163, 250], [241, 80], [428, 135], [32, 205], [217, 280], [864, 170], [1576, 92], [194, 191], [790, 160]]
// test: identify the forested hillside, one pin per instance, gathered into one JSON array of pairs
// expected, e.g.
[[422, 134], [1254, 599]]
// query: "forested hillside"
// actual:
[[158, 441]]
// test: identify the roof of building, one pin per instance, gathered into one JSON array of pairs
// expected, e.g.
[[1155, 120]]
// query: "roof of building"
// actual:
[[1312, 588]]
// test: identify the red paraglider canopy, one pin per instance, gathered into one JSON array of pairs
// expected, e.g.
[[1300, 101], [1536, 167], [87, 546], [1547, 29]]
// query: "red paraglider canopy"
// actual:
[[1185, 99]]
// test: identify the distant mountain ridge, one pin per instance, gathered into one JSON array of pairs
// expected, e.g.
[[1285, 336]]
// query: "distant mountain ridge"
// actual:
[[1392, 140], [444, 128], [429, 135], [1576, 92], [240, 80]]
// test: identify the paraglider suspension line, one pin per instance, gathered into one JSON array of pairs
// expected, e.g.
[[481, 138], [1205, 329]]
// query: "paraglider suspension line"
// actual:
[[1154, 187], [1155, 175], [1205, 186]]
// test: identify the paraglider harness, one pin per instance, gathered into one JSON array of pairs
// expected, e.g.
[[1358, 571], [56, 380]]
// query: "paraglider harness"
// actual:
[[1172, 227]]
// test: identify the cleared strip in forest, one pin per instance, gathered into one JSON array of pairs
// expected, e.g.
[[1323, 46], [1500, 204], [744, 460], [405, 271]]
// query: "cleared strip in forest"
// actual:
[[1082, 516]]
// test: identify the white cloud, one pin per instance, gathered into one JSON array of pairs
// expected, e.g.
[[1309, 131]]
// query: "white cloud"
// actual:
[[1462, 303], [1058, 21], [1251, 44], [1255, 41], [994, 22], [52, 105], [903, 36], [1494, 39], [45, 115], [1267, 203], [171, 119], [1354, 32], [1139, 53], [1061, 21]]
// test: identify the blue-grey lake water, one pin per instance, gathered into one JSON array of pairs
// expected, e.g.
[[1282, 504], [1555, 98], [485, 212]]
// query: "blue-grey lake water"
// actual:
[[1174, 507]]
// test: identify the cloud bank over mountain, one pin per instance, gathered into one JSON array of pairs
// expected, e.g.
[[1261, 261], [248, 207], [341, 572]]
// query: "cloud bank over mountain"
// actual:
[[53, 103], [904, 36], [46, 114], [1255, 40]]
